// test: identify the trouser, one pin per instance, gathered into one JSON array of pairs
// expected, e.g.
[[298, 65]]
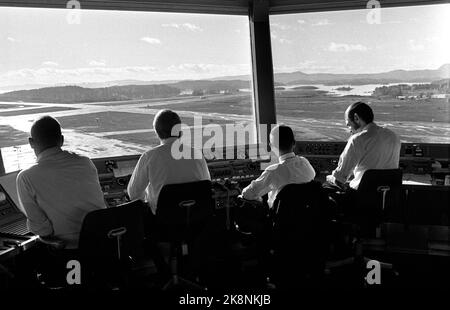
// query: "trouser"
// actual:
[[343, 199]]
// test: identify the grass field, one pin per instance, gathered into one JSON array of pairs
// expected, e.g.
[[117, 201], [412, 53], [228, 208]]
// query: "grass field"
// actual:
[[10, 136]]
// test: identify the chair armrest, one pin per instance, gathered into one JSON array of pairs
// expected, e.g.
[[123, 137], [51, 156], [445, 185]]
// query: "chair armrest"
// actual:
[[53, 242]]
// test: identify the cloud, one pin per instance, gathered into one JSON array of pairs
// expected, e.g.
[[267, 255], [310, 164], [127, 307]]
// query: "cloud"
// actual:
[[280, 26], [97, 63], [301, 21], [185, 26], [55, 75], [415, 46], [343, 47], [322, 22], [281, 40], [50, 64], [151, 40], [11, 39], [210, 70], [310, 66]]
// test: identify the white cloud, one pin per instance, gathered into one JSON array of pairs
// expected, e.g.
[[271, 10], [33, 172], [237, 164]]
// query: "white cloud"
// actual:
[[343, 47], [322, 22], [50, 64], [185, 26], [280, 26], [54, 75], [285, 41], [11, 39], [415, 46], [151, 40], [209, 70], [301, 21], [97, 63], [279, 39]]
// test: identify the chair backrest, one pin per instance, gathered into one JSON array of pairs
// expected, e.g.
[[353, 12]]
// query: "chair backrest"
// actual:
[[302, 216], [183, 210], [379, 194], [300, 233], [113, 234]]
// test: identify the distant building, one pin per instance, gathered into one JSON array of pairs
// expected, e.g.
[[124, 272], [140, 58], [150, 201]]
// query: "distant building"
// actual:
[[187, 92]]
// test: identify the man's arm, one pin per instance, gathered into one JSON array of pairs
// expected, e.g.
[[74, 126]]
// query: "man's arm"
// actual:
[[347, 162], [258, 187], [205, 170], [139, 179], [37, 220]]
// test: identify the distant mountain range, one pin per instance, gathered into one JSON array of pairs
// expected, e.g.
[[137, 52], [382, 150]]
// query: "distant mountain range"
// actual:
[[135, 89]]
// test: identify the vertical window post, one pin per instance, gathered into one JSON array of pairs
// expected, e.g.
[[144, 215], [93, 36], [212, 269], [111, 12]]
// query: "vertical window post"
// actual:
[[2, 167], [263, 80]]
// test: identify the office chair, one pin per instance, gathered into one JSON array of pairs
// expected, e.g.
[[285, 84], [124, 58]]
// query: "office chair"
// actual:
[[299, 238], [111, 245], [377, 200], [182, 213]]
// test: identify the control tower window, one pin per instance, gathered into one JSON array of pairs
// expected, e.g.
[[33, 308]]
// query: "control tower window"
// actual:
[[395, 59], [105, 74]]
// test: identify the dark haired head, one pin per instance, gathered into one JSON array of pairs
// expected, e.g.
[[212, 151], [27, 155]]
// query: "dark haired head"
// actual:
[[45, 133], [282, 138], [164, 122]]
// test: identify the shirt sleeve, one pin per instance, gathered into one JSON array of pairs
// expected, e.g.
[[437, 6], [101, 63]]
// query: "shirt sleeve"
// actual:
[[37, 219], [205, 170], [258, 187], [139, 179], [347, 162]]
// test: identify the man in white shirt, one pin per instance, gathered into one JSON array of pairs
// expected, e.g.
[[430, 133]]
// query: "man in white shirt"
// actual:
[[60, 189], [369, 147], [158, 166], [291, 169]]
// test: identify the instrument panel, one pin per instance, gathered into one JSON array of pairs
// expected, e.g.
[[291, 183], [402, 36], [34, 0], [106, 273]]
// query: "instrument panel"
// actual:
[[415, 158]]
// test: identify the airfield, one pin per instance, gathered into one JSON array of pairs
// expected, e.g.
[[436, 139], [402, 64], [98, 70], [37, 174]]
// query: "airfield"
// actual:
[[102, 129]]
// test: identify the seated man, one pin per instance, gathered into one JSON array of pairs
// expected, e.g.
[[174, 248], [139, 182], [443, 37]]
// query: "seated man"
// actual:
[[369, 147], [158, 166], [60, 189], [291, 169]]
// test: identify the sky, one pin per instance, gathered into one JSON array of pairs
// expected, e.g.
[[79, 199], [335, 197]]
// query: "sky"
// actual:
[[50, 46]]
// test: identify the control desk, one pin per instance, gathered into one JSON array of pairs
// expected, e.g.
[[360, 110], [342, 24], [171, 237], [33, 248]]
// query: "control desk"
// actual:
[[228, 176], [415, 158]]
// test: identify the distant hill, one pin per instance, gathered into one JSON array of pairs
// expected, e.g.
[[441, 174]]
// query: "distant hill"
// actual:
[[396, 76], [136, 89], [75, 94]]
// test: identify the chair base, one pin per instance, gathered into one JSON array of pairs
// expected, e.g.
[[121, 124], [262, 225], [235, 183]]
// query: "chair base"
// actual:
[[179, 282]]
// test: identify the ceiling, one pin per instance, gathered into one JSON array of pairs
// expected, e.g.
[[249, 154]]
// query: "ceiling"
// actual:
[[237, 7]]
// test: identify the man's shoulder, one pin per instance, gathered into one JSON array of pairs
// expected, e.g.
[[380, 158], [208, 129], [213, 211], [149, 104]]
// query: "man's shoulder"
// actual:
[[26, 172], [272, 168]]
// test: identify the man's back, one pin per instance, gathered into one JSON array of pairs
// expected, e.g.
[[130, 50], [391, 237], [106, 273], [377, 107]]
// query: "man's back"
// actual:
[[58, 192], [376, 148], [158, 167]]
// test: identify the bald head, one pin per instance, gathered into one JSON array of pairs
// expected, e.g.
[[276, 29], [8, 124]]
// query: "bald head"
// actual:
[[358, 115], [45, 133]]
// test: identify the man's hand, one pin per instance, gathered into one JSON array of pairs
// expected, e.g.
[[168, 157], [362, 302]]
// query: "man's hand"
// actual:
[[331, 179]]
